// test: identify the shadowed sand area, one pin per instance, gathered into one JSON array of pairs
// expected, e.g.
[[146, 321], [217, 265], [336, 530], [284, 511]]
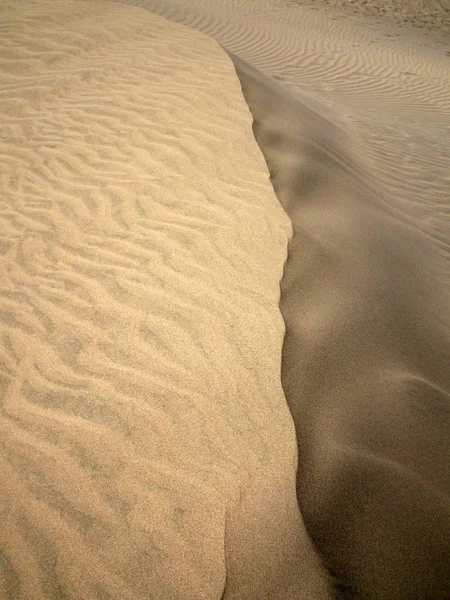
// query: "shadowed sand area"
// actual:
[[365, 364], [356, 139], [146, 446]]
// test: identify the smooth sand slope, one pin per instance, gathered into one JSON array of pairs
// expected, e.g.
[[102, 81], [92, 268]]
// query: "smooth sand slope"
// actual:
[[358, 151], [365, 360], [146, 448]]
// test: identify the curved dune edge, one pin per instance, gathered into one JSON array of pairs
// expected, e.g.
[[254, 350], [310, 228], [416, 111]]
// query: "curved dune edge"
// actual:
[[365, 292], [388, 86], [146, 449]]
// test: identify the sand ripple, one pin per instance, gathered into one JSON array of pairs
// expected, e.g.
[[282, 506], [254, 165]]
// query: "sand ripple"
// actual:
[[356, 139]]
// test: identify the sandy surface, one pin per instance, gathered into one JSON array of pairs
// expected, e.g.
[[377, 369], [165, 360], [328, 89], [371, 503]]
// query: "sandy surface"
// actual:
[[146, 448], [365, 359], [387, 86], [431, 14]]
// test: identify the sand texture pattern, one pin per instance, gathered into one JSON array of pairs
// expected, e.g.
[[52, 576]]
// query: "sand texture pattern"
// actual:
[[422, 13], [388, 87], [146, 448]]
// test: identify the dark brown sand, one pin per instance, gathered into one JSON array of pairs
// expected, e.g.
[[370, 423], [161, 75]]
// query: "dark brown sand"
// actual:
[[365, 359]]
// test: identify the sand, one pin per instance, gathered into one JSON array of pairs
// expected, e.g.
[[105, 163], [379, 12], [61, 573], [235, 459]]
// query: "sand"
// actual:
[[431, 14], [148, 443], [146, 448], [356, 138], [365, 359]]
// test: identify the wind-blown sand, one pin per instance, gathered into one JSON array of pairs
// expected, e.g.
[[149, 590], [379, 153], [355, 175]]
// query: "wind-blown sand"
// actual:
[[421, 13], [146, 447]]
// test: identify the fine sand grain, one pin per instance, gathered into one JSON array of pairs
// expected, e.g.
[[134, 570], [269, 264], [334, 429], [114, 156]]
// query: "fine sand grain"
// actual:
[[146, 448]]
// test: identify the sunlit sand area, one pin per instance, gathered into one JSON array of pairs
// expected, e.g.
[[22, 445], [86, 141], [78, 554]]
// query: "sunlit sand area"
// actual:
[[225, 300]]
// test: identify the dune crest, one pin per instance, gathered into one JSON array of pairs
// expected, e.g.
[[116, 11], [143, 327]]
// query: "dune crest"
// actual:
[[355, 134], [143, 425]]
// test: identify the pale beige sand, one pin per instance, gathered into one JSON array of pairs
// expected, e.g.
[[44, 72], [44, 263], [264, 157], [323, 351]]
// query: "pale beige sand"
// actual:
[[387, 86], [421, 13], [188, 342], [146, 448]]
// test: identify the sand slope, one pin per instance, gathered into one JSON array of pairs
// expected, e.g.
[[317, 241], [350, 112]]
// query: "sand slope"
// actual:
[[365, 359], [146, 449], [358, 150], [388, 87]]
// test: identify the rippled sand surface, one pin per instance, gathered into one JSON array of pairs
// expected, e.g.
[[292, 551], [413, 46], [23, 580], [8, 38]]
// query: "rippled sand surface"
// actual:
[[146, 448], [154, 397]]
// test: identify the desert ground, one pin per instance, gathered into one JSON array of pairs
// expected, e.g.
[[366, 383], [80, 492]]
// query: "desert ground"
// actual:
[[225, 299]]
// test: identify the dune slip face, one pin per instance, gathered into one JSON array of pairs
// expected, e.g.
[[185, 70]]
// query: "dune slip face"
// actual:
[[365, 359], [146, 448]]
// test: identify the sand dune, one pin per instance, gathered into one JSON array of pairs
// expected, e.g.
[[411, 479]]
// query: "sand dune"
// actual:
[[358, 150], [388, 88], [365, 360], [146, 446], [147, 450]]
